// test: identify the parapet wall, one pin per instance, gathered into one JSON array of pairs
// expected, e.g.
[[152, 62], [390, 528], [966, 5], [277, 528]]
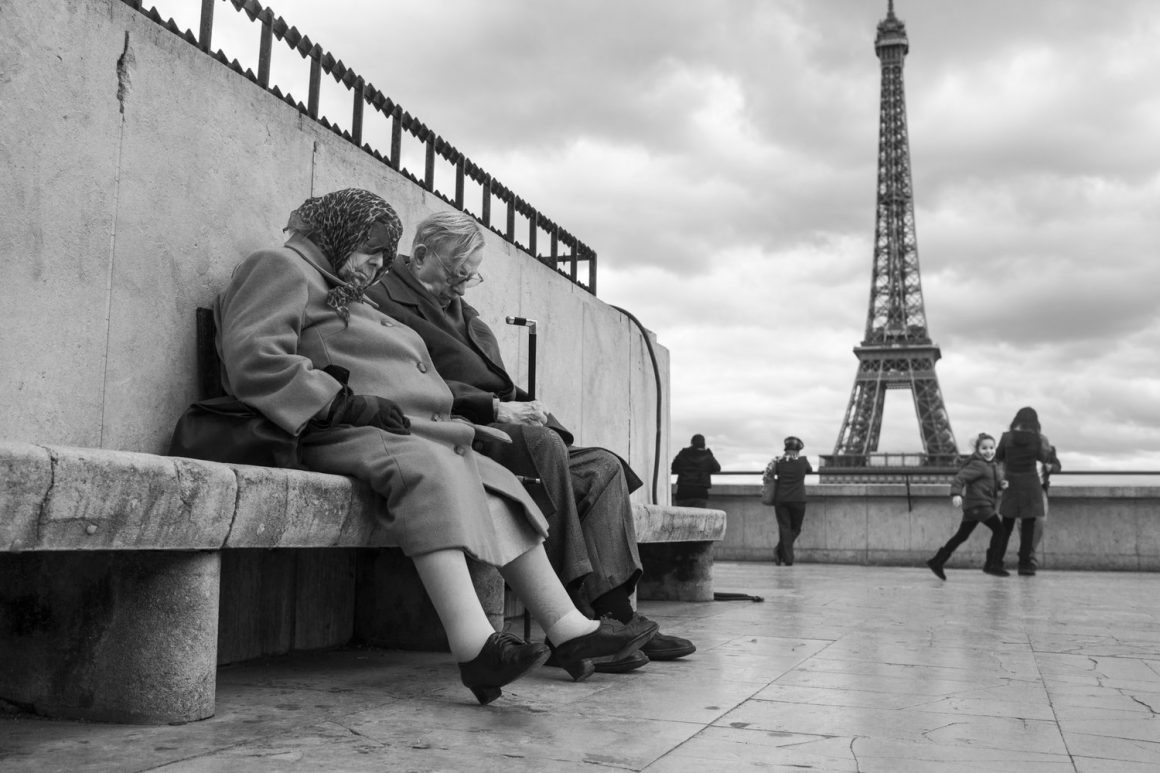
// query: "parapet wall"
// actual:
[[1088, 527], [138, 171]]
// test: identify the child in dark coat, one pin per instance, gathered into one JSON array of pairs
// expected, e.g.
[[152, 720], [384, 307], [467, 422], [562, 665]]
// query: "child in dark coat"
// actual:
[[976, 490]]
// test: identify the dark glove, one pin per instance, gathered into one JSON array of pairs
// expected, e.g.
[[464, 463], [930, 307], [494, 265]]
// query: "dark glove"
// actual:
[[367, 411]]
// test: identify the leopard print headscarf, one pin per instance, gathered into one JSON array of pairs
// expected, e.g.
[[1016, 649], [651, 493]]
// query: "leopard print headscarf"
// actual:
[[341, 222]]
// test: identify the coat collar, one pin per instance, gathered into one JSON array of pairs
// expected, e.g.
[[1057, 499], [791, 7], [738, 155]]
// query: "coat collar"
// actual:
[[403, 288]]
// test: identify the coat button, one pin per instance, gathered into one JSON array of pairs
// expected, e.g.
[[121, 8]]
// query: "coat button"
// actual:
[[460, 450], [422, 366], [436, 417]]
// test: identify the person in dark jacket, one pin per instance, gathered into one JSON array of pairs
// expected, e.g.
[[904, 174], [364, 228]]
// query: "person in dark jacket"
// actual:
[[694, 467], [976, 490], [788, 473], [584, 492], [1021, 450]]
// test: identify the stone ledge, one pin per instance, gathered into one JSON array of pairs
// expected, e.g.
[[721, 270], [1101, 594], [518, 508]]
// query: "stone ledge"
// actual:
[[64, 498], [669, 523]]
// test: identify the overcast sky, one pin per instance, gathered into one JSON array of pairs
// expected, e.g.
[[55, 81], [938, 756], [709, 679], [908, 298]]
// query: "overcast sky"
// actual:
[[721, 158]]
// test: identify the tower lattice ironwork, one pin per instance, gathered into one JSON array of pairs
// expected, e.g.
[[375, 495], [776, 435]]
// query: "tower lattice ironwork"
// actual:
[[897, 352]]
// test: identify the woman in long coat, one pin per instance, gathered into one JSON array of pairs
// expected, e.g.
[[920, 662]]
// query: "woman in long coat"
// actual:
[[293, 323], [1020, 451]]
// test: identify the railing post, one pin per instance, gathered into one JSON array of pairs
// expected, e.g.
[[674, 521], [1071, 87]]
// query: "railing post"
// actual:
[[356, 120], [205, 36], [485, 215], [555, 245], [533, 227], [429, 173], [265, 50], [315, 82], [511, 217], [396, 136], [459, 182], [592, 272]]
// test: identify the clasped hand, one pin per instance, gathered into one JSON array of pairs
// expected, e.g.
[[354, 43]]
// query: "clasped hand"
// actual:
[[530, 412]]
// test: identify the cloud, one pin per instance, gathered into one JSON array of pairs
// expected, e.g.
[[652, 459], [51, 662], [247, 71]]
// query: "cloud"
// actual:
[[721, 159]]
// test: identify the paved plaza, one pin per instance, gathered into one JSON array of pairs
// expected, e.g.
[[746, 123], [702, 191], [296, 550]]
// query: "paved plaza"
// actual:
[[841, 668]]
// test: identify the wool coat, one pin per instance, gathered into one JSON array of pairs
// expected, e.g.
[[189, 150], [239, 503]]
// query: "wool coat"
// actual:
[[978, 483], [275, 336], [1020, 451]]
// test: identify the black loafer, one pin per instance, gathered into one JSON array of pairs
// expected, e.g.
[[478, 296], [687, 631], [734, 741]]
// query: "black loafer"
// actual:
[[504, 658], [665, 647], [612, 641]]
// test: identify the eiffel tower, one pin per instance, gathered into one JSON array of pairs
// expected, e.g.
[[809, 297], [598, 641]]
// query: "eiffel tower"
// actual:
[[897, 352]]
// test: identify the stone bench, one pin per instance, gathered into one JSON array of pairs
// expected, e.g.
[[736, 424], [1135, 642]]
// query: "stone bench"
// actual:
[[676, 551], [129, 577]]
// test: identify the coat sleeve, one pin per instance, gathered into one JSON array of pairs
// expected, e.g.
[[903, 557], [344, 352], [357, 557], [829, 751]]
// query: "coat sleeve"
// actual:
[[261, 316], [964, 476], [1048, 456]]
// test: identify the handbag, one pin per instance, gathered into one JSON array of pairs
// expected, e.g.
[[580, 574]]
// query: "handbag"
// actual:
[[224, 429], [769, 484], [769, 492]]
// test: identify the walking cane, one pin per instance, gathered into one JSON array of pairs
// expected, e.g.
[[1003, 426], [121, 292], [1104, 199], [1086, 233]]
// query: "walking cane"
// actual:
[[530, 324]]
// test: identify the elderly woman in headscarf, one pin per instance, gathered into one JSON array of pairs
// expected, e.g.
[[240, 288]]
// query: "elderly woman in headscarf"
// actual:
[[1020, 451], [300, 344]]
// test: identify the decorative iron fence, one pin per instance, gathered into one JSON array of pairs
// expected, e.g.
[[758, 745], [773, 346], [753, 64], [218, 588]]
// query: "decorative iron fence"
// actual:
[[564, 252]]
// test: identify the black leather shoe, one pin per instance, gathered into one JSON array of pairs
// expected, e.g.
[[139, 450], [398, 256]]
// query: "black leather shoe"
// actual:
[[611, 642], [937, 568], [1027, 570], [624, 665], [665, 647], [998, 570], [504, 658]]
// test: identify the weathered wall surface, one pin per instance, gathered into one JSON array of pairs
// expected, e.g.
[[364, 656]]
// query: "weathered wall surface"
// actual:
[[137, 173], [1088, 527]]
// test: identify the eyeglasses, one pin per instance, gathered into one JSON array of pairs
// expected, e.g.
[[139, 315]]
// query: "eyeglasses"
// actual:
[[455, 278]]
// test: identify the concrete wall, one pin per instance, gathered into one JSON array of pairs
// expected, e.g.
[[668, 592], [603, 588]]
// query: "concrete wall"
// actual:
[[1088, 527], [137, 173]]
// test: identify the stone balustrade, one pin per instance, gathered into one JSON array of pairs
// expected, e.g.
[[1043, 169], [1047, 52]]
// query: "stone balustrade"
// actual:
[[1088, 527]]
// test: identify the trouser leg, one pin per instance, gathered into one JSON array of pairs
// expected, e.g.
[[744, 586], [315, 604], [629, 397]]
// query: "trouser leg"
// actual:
[[966, 527], [1026, 544], [602, 501]]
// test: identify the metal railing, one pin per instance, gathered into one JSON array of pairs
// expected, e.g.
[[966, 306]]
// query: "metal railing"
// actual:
[[563, 249], [904, 476]]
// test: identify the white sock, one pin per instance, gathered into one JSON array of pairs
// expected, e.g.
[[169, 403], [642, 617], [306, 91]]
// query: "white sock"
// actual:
[[571, 626], [444, 574]]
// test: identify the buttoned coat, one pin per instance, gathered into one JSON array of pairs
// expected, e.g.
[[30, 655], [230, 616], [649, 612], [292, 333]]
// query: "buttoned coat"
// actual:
[[1019, 451], [275, 336]]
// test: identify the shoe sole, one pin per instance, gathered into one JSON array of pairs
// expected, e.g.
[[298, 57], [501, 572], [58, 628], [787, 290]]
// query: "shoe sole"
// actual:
[[623, 667], [671, 654]]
